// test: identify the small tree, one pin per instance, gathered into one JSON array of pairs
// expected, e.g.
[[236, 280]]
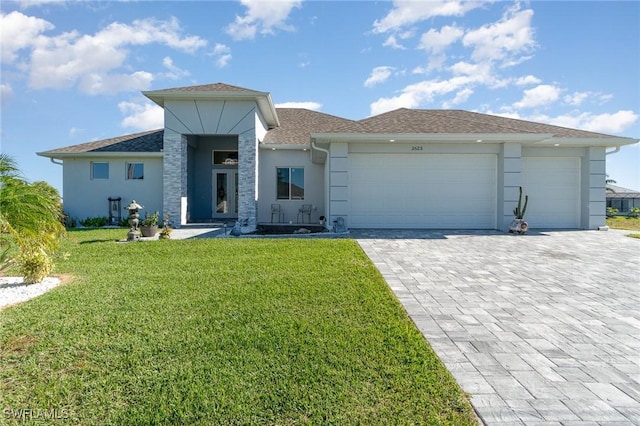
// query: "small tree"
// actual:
[[32, 214]]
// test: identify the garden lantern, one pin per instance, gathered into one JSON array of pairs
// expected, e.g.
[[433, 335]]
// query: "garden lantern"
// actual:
[[134, 221]]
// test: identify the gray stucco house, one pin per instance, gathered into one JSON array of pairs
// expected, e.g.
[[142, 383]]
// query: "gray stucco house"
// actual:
[[226, 153]]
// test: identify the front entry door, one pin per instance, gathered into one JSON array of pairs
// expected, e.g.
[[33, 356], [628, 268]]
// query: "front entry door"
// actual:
[[225, 194]]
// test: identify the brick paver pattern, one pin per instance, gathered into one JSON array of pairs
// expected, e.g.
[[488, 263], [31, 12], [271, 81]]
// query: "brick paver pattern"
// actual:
[[539, 329]]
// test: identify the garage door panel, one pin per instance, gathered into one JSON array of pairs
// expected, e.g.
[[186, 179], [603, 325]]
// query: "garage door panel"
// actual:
[[420, 191], [553, 186]]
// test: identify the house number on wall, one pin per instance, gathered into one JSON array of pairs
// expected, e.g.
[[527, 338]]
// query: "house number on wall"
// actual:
[[416, 148]]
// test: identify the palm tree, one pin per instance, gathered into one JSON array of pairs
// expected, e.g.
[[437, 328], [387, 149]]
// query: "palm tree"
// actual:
[[31, 214]]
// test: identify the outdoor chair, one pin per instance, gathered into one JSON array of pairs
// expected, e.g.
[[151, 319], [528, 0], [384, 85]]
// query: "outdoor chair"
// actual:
[[276, 209], [304, 210]]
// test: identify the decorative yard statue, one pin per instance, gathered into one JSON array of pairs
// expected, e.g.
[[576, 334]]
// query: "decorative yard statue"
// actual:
[[134, 220], [519, 226]]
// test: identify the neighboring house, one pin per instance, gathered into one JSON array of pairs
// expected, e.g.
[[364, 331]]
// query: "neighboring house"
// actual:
[[622, 199], [227, 153]]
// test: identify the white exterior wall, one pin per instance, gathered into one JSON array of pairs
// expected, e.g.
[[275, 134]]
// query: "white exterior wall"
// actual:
[[313, 184], [84, 197]]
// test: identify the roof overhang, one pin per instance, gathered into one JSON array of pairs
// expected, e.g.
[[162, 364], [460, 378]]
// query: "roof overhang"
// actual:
[[283, 147], [526, 139], [94, 154], [262, 99]]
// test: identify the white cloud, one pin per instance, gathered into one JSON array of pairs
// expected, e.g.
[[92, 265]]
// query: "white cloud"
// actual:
[[174, 72], [28, 3], [504, 40], [410, 12], [89, 60], [434, 41], [96, 84], [393, 43], [6, 92], [576, 98], [417, 94], [526, 80], [608, 123], [74, 131], [542, 94], [143, 115], [262, 17], [378, 75], [222, 54], [314, 106], [461, 97], [18, 32]]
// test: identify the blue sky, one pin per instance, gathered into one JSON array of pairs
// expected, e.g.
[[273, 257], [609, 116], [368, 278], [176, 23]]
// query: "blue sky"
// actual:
[[72, 71]]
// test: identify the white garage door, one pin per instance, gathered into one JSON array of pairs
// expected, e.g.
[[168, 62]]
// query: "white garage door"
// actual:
[[553, 186], [422, 191]]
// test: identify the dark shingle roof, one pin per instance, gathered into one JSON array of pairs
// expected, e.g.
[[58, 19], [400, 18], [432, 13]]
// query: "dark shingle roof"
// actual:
[[149, 141], [297, 124], [458, 121]]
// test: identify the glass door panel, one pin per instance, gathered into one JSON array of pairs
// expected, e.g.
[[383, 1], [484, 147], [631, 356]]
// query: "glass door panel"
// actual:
[[221, 193]]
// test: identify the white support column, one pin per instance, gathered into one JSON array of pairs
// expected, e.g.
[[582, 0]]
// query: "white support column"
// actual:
[[594, 201], [509, 181], [338, 182]]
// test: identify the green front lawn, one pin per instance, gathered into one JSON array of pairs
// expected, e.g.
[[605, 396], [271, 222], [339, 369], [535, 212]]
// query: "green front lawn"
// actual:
[[221, 331], [624, 222]]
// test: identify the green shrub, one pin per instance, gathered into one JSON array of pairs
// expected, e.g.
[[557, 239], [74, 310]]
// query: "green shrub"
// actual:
[[95, 222], [634, 211], [123, 222], [34, 263], [611, 211]]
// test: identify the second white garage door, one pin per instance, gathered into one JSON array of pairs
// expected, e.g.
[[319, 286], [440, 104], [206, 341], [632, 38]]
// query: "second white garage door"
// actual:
[[553, 186], [442, 191]]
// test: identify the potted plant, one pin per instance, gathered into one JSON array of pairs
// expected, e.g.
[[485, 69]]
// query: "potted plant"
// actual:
[[149, 226], [519, 226], [165, 234]]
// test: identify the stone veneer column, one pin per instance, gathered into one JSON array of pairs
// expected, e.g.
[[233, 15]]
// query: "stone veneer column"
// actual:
[[174, 177], [247, 173]]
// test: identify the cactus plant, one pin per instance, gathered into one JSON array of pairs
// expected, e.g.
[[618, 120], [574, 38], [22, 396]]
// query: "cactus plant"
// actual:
[[519, 212]]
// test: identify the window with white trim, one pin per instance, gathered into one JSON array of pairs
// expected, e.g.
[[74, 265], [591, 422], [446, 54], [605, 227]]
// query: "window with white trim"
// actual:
[[135, 171], [99, 170]]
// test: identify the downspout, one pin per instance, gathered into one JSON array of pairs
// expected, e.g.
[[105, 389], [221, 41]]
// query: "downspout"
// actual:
[[314, 146], [53, 160], [617, 149], [326, 199]]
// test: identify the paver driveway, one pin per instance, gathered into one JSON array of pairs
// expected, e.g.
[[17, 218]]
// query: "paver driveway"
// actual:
[[539, 329]]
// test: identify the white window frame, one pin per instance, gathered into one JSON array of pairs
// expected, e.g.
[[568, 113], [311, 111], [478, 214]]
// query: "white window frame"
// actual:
[[91, 170], [126, 170]]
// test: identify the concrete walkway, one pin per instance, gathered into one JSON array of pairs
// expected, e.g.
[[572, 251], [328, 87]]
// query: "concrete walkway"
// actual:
[[538, 329]]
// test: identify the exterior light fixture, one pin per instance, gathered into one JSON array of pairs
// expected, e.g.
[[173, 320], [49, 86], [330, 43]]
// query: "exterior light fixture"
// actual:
[[273, 149], [556, 144], [478, 140], [392, 140]]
